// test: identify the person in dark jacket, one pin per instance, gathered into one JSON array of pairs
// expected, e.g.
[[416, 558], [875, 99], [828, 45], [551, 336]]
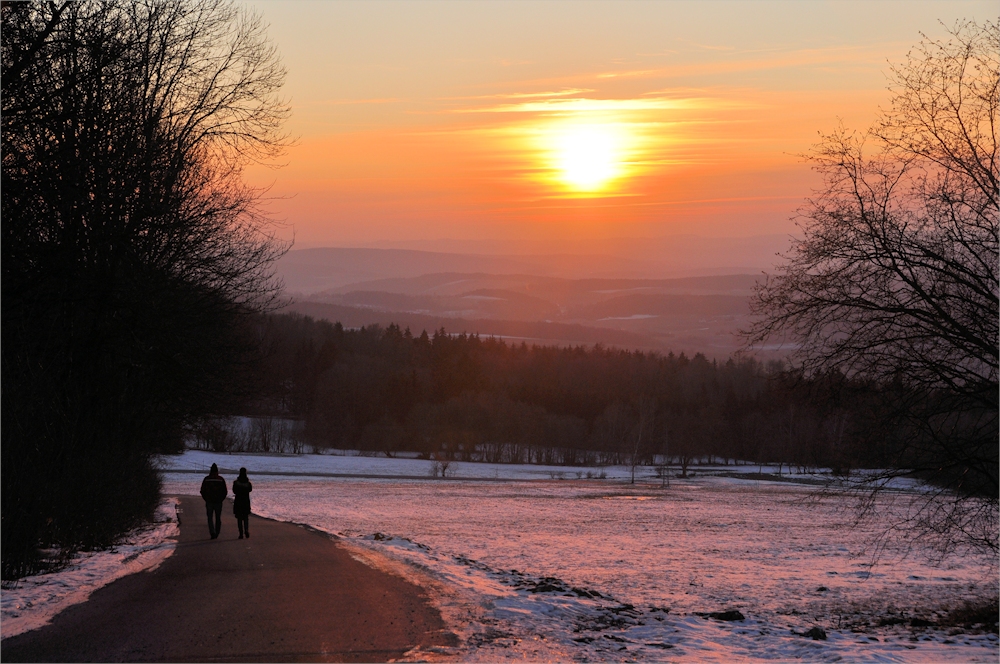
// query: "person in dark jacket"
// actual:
[[214, 491], [241, 502]]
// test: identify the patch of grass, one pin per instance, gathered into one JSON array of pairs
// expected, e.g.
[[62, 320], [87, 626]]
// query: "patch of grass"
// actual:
[[984, 614]]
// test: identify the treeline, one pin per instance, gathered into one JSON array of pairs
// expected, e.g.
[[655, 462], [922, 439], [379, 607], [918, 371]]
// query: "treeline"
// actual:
[[470, 398], [134, 257]]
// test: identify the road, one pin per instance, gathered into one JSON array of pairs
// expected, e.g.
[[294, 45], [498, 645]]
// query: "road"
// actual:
[[286, 594]]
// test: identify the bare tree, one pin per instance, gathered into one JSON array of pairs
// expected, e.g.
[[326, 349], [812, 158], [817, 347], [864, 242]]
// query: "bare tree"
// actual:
[[663, 470], [642, 433], [895, 278], [133, 253]]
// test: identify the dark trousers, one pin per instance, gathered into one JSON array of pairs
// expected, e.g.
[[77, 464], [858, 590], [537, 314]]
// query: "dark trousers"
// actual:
[[210, 509], [243, 523]]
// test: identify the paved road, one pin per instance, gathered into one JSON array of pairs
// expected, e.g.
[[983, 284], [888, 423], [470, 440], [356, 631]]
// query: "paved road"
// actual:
[[286, 594]]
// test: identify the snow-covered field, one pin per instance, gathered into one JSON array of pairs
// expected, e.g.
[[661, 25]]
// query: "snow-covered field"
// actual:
[[525, 565], [537, 563]]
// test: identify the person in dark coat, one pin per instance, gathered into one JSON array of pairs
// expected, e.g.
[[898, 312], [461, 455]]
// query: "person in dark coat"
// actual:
[[241, 502], [214, 491]]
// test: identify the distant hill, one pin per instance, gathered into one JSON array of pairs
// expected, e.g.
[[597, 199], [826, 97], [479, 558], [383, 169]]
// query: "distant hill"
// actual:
[[639, 304], [310, 270], [522, 297], [541, 333], [307, 271], [654, 257], [559, 290]]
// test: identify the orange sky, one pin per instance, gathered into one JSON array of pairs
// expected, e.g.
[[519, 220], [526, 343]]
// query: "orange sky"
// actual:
[[547, 121]]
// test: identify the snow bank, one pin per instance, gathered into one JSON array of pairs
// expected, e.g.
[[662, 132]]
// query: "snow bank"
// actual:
[[33, 601]]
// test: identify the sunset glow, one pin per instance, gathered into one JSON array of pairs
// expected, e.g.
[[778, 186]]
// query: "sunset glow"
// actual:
[[587, 157], [563, 121]]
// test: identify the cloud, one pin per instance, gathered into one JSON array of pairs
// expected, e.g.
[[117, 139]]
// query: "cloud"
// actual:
[[528, 95], [782, 59], [587, 105], [349, 102], [650, 105]]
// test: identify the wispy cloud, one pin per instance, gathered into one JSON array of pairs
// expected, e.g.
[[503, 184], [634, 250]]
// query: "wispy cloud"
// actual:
[[714, 47], [587, 105], [528, 95], [351, 102], [781, 59]]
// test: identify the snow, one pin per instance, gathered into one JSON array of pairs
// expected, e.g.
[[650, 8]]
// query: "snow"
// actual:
[[525, 565], [33, 601], [352, 465], [544, 563]]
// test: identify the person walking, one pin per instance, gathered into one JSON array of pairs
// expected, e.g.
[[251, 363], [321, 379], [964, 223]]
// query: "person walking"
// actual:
[[241, 502], [214, 491]]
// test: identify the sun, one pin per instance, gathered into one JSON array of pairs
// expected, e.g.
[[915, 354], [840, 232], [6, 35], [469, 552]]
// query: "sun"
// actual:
[[587, 157]]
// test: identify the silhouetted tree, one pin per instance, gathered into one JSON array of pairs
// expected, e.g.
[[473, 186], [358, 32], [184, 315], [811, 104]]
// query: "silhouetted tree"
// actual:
[[133, 254], [895, 278], [642, 435]]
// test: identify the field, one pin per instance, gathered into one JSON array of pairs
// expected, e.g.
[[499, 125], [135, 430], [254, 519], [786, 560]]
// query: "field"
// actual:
[[527, 566]]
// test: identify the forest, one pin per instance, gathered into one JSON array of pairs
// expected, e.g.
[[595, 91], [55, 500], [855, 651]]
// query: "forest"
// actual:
[[464, 397]]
